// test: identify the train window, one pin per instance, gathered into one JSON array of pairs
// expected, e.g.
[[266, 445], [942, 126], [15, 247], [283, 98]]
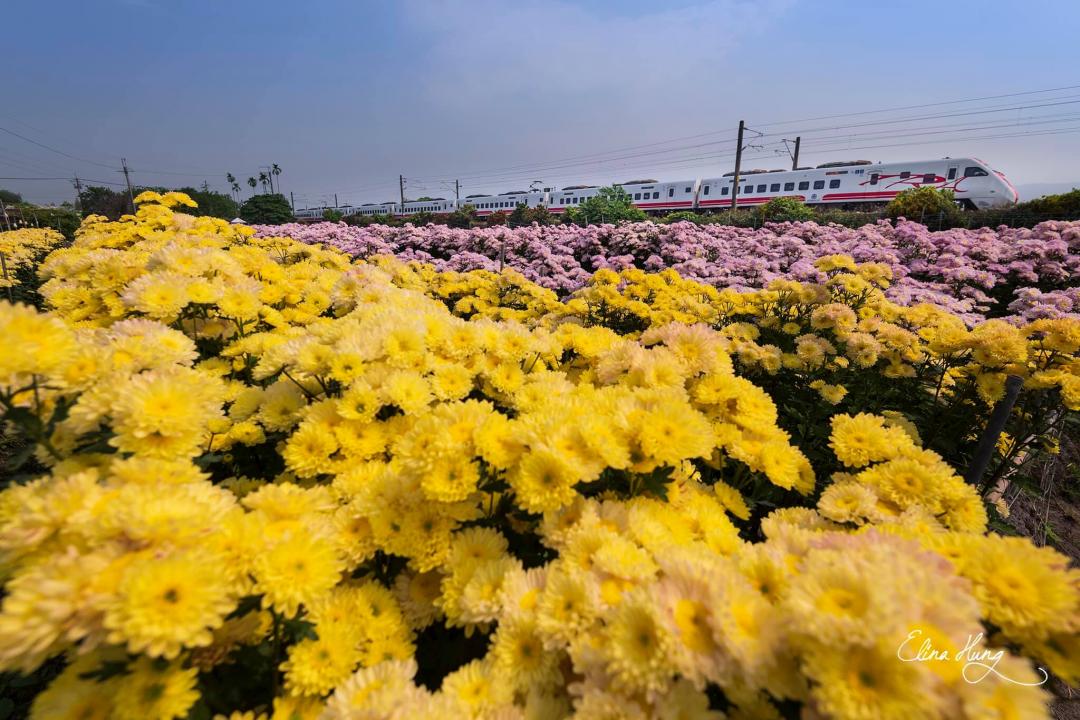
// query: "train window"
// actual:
[[687, 190], [818, 184], [761, 188], [706, 189], [975, 171], [789, 186], [748, 189], [671, 192], [637, 196], [804, 185], [724, 190], [873, 178], [952, 173], [905, 175], [655, 195], [834, 183], [929, 178], [775, 187]]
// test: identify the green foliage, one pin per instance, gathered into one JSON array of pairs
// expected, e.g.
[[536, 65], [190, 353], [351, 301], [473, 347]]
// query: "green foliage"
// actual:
[[10, 197], [463, 217], [1064, 206], [332, 215], [525, 215], [786, 209], [497, 218], [421, 218], [924, 203], [268, 209], [212, 204], [98, 200], [610, 205], [62, 218], [682, 216]]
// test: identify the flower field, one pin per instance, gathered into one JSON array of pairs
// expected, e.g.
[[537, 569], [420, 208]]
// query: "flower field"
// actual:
[[1024, 273], [261, 478]]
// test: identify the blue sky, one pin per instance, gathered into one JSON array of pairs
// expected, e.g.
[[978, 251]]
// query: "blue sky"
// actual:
[[344, 96]]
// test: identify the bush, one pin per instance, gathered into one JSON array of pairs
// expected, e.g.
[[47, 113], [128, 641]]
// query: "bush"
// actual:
[[682, 216], [609, 205], [925, 205], [267, 209], [463, 217], [525, 215], [332, 215], [212, 204], [786, 209], [422, 218]]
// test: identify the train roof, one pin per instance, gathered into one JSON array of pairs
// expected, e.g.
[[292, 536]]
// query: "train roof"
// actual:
[[843, 163], [578, 187], [638, 182]]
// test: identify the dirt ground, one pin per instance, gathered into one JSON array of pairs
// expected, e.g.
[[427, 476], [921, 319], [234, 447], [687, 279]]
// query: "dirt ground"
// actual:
[[1054, 522]]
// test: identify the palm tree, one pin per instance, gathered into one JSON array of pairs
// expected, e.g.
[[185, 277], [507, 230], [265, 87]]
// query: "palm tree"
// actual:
[[231, 179], [275, 170], [252, 182], [236, 190], [264, 179]]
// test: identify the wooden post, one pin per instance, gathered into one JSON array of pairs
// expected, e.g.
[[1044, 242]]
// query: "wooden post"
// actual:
[[985, 449]]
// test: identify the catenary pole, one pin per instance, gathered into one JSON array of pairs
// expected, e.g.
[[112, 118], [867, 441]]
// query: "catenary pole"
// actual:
[[795, 157], [127, 179], [738, 163], [78, 195]]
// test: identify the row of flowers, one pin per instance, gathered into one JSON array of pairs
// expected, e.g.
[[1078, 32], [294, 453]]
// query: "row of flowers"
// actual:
[[1029, 273], [20, 248], [276, 482]]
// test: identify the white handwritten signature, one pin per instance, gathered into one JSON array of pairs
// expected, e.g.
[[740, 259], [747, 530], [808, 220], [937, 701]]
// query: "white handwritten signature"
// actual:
[[978, 663]]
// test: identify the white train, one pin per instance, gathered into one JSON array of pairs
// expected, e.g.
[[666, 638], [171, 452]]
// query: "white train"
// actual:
[[857, 183]]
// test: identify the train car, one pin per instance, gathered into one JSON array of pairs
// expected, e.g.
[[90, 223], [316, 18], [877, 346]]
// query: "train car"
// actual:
[[650, 195], [436, 206], [859, 182], [308, 213], [505, 202], [369, 209], [559, 201]]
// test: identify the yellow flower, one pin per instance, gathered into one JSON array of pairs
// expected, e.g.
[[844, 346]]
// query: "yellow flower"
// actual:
[[296, 570], [862, 439], [637, 647], [156, 690], [315, 667], [164, 605], [543, 481]]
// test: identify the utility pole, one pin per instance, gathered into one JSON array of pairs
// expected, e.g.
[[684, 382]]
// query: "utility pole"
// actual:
[[127, 179], [738, 163], [457, 193], [795, 157], [335, 201], [292, 203], [401, 186], [78, 195]]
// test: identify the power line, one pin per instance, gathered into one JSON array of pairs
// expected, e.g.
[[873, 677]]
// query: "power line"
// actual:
[[924, 105], [52, 149], [482, 174], [66, 179]]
